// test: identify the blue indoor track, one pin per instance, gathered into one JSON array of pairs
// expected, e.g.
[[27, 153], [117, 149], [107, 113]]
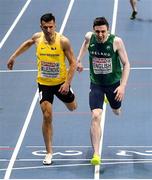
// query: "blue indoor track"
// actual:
[[127, 144]]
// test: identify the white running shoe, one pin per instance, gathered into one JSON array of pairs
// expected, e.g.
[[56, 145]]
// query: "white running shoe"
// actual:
[[48, 159]]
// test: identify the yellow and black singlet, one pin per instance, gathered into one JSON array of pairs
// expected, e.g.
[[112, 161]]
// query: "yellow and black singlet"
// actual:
[[50, 61]]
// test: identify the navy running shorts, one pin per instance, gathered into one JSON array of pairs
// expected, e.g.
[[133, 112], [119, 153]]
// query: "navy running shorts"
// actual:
[[96, 96]]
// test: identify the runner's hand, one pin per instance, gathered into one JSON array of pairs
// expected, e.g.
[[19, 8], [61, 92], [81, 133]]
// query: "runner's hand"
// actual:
[[79, 67], [120, 91], [64, 89], [10, 63]]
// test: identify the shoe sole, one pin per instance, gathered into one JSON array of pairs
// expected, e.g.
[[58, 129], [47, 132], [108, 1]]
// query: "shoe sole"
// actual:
[[47, 164]]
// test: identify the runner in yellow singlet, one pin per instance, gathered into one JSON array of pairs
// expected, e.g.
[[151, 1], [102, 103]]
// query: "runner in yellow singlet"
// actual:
[[52, 49]]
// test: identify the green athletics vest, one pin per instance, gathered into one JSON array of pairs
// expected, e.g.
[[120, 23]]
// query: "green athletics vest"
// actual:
[[105, 67]]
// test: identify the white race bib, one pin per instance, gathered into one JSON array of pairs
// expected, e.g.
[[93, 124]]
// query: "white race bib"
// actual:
[[102, 65], [50, 69]]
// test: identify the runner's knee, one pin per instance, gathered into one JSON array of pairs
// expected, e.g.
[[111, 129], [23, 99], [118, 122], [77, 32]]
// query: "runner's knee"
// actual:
[[47, 116], [96, 115]]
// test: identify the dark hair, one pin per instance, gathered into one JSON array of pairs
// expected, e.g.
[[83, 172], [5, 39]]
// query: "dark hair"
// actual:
[[99, 21], [47, 17]]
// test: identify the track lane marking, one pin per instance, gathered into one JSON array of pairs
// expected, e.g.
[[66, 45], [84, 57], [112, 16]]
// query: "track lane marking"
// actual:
[[14, 23]]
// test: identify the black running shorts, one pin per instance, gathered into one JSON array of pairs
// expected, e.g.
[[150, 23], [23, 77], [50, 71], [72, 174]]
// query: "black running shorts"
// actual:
[[46, 93]]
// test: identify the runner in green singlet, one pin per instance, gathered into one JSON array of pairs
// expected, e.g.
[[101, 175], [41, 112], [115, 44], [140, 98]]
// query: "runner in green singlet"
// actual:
[[106, 56]]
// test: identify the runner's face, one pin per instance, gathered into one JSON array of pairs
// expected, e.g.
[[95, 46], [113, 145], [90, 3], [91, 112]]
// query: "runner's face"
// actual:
[[101, 32], [48, 27]]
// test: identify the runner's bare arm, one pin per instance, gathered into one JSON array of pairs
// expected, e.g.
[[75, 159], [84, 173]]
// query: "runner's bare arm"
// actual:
[[83, 51], [119, 46], [124, 60], [21, 49], [70, 57]]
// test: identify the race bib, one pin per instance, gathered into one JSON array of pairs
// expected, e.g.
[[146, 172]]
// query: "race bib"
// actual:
[[50, 70], [102, 65]]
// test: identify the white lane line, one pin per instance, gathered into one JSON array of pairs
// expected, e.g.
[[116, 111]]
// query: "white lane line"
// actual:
[[103, 160], [67, 16], [85, 69], [75, 165], [114, 19], [97, 167], [130, 146], [14, 23], [141, 68], [59, 146], [51, 166], [27, 121], [21, 137], [35, 160], [132, 68], [18, 71]]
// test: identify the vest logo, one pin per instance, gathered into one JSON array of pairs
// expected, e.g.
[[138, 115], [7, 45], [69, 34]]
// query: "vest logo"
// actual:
[[53, 48], [92, 45], [43, 48], [108, 48]]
